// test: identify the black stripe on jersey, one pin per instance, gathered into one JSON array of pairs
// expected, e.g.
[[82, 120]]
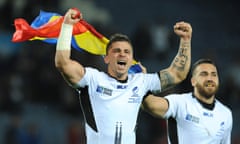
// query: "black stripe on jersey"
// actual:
[[118, 133], [172, 131], [86, 108]]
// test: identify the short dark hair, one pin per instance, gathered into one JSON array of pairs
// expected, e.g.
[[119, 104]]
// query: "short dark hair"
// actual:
[[117, 37], [201, 61]]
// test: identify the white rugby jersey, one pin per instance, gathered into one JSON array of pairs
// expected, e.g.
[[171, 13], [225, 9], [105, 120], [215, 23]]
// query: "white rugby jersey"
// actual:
[[198, 125], [111, 107]]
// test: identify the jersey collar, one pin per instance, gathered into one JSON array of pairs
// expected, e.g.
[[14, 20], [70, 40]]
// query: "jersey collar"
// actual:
[[205, 105], [121, 81]]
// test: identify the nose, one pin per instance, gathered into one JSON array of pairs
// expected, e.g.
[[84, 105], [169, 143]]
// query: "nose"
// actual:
[[122, 53], [209, 78]]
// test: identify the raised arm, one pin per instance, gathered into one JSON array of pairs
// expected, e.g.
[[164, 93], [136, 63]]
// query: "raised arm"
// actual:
[[71, 70], [174, 74], [180, 66]]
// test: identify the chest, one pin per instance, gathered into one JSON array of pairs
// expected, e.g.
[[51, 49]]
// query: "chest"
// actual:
[[120, 92], [201, 122]]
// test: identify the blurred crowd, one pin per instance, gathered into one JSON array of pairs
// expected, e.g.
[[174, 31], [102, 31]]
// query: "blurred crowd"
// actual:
[[28, 77]]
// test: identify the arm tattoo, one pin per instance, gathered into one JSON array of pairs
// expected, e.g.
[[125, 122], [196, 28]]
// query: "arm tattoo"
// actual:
[[179, 64], [166, 79], [181, 59]]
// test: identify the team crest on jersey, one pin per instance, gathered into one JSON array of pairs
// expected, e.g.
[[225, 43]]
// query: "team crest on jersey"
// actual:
[[192, 118], [103, 90], [135, 97], [220, 132]]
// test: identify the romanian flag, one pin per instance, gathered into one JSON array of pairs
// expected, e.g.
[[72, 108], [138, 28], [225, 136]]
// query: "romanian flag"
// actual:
[[46, 27]]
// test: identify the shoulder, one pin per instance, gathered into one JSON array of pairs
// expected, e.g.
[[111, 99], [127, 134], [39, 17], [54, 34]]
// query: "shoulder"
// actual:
[[179, 98], [223, 107], [93, 71], [182, 96], [92, 75], [225, 112], [144, 76]]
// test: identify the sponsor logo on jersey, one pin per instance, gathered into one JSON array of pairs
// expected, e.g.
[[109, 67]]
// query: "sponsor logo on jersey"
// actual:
[[192, 118], [121, 86], [135, 97], [103, 90], [207, 114]]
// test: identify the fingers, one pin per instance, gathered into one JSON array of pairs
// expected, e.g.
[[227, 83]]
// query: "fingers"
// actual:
[[76, 14], [183, 26], [144, 70]]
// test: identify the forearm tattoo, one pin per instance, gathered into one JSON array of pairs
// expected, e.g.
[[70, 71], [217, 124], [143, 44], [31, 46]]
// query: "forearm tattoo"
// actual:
[[181, 59], [180, 64]]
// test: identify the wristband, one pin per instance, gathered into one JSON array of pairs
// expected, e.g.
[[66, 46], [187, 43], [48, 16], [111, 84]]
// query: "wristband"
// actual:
[[65, 37]]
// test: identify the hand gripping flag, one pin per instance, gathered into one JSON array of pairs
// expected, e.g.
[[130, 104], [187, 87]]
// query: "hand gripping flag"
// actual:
[[47, 25]]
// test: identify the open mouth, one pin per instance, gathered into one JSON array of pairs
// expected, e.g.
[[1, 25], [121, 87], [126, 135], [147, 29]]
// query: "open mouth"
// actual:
[[209, 85], [122, 63]]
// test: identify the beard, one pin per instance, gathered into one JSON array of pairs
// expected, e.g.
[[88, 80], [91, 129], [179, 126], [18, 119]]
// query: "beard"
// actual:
[[207, 92]]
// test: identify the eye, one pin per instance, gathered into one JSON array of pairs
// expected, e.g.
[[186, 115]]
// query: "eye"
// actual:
[[116, 50], [203, 74], [214, 74], [126, 51]]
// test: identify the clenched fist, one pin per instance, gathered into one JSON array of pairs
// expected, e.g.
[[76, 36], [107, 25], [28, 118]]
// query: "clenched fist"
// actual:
[[72, 16], [183, 29]]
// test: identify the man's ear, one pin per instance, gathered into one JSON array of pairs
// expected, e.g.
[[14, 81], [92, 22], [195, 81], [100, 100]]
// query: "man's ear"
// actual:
[[193, 81], [106, 59]]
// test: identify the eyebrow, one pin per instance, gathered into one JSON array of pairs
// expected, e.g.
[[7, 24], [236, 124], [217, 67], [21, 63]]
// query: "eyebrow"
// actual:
[[118, 48], [214, 72]]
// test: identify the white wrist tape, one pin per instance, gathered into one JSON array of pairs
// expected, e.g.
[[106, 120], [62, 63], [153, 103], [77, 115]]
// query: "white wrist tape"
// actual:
[[65, 37]]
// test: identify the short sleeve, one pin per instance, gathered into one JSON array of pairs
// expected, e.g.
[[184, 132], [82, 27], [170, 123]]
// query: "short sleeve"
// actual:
[[154, 84], [173, 105], [90, 73]]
